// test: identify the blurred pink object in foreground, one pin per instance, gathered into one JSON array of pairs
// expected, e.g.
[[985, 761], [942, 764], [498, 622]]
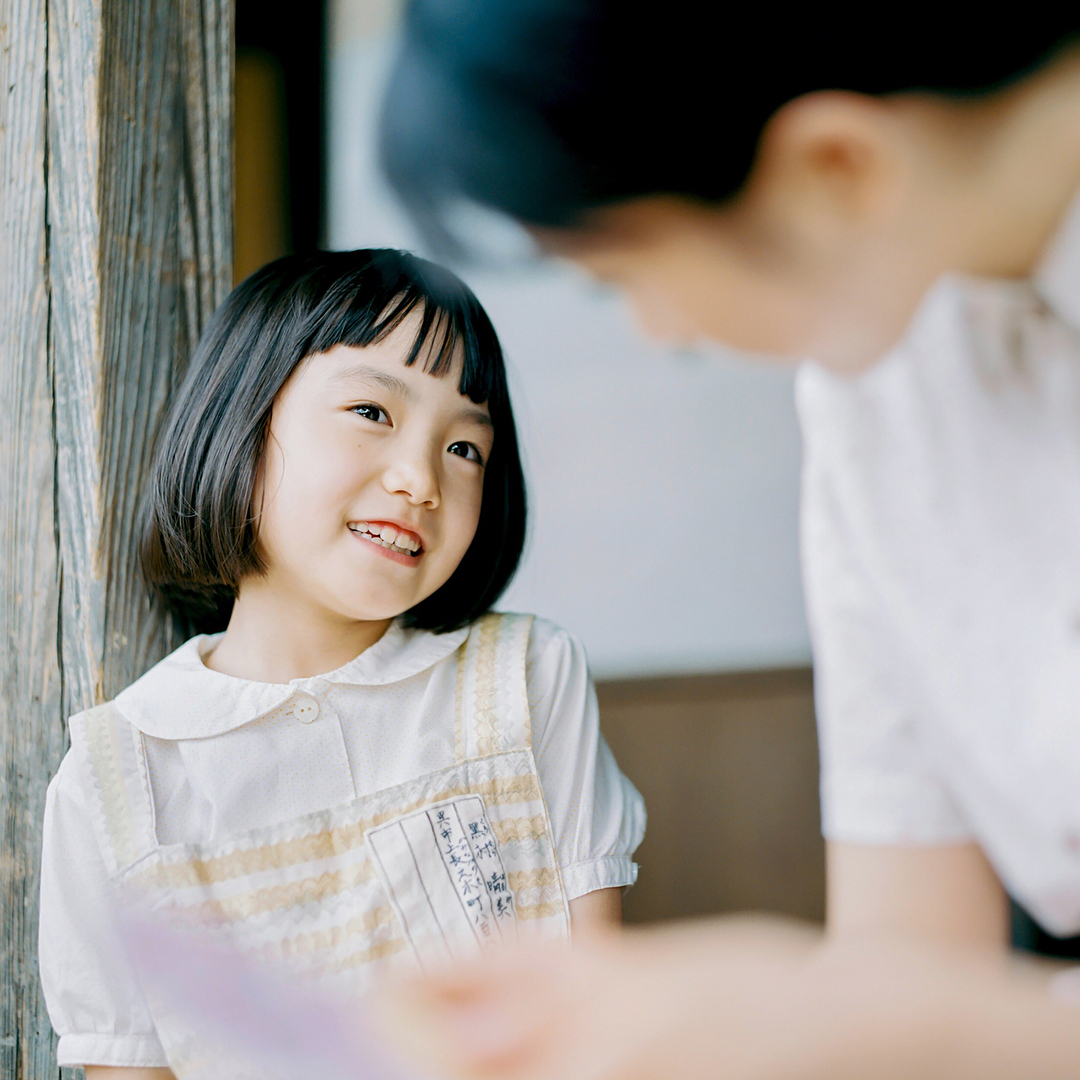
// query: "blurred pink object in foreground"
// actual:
[[280, 1026]]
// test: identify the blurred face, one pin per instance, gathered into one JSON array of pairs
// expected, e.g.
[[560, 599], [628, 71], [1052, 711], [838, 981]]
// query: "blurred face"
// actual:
[[855, 206], [694, 273], [372, 481]]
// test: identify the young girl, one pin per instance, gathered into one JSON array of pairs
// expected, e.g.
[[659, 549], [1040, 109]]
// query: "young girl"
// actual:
[[367, 769]]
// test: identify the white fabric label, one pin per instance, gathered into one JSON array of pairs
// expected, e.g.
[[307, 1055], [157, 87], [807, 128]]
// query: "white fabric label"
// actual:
[[446, 879]]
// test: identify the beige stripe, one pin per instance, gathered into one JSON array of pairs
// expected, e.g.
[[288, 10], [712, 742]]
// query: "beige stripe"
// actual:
[[101, 741], [459, 703], [308, 890], [486, 718], [497, 791], [365, 956], [521, 828], [331, 937], [523, 667], [539, 911], [255, 860], [539, 878], [524, 897], [505, 789]]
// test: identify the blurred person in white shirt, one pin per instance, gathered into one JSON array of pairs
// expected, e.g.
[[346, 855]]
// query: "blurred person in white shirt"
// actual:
[[896, 205]]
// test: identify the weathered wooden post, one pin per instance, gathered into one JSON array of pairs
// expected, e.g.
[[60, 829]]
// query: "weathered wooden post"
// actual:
[[115, 246]]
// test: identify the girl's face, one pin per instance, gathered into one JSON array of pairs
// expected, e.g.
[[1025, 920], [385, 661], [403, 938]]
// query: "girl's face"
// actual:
[[372, 481]]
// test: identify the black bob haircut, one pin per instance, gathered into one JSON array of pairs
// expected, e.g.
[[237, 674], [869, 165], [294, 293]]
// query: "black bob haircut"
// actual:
[[199, 527], [545, 109]]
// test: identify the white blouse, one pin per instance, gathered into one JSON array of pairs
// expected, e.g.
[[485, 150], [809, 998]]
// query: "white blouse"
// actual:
[[941, 546], [227, 755]]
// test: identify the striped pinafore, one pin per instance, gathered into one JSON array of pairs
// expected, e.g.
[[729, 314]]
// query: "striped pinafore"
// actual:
[[437, 868]]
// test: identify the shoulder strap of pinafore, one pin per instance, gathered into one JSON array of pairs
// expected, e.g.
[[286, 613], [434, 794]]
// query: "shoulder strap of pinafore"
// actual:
[[491, 695], [112, 762]]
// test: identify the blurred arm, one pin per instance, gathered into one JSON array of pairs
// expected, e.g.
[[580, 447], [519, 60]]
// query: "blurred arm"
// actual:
[[941, 894], [742, 999], [596, 910]]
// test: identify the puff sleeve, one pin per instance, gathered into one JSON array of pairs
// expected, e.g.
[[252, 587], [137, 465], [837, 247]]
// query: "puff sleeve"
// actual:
[[597, 816], [94, 999]]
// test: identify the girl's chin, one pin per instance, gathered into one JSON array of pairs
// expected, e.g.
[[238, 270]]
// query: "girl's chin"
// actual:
[[370, 605], [366, 615]]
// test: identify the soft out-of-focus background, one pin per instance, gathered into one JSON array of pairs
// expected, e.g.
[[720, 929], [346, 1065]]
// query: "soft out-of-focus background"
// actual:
[[664, 488]]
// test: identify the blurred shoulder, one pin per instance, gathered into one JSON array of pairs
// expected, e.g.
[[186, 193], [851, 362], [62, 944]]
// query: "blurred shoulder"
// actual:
[[979, 357]]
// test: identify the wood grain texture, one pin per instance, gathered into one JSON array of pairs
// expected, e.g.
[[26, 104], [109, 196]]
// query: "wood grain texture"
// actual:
[[728, 767], [141, 255], [115, 247], [31, 726]]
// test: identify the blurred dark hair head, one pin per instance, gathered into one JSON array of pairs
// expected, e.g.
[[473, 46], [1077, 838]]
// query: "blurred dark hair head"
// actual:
[[544, 109], [199, 527]]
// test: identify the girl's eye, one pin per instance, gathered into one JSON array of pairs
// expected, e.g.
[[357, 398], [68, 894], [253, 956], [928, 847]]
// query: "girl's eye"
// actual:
[[466, 450], [372, 412]]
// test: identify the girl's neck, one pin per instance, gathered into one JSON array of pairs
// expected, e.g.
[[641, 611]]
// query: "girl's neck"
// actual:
[[273, 637]]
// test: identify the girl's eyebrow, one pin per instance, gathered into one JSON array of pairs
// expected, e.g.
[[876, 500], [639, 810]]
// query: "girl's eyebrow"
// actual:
[[477, 416], [364, 373]]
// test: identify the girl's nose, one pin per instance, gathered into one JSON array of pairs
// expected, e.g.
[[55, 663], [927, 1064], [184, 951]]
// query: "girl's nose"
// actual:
[[414, 476]]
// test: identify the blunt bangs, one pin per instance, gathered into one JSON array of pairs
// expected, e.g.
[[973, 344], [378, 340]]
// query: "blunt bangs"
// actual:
[[199, 525], [360, 312]]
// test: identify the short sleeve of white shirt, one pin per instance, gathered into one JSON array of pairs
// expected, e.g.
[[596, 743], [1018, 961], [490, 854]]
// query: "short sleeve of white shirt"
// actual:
[[869, 533], [94, 1000], [597, 816], [879, 780]]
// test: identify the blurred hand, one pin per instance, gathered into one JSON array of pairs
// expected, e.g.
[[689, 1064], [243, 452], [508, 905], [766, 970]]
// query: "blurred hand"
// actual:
[[736, 999]]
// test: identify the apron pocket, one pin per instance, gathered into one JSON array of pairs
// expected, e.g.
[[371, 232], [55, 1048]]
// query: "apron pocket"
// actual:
[[444, 874]]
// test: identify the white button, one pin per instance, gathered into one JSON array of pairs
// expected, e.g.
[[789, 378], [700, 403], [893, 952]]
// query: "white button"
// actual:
[[305, 709]]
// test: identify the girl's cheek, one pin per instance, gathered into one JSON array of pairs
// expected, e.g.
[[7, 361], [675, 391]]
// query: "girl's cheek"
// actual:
[[463, 510], [473, 518], [337, 474]]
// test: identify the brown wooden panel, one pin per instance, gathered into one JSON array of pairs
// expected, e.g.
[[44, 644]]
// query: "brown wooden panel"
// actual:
[[729, 770]]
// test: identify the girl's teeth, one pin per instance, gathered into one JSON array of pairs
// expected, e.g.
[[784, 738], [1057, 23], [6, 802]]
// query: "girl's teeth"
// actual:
[[387, 536]]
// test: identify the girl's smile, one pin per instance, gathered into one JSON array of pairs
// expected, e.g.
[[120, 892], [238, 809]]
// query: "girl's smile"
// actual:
[[390, 539]]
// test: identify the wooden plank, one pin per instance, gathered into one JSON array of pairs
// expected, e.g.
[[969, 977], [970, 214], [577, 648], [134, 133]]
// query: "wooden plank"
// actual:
[[31, 729], [115, 246], [141, 251], [713, 686], [729, 770]]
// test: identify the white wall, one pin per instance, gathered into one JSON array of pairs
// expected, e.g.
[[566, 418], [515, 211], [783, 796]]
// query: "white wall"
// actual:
[[664, 485]]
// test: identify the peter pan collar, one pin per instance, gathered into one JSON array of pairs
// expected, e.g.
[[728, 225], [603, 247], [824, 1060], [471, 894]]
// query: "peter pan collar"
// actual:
[[181, 698]]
